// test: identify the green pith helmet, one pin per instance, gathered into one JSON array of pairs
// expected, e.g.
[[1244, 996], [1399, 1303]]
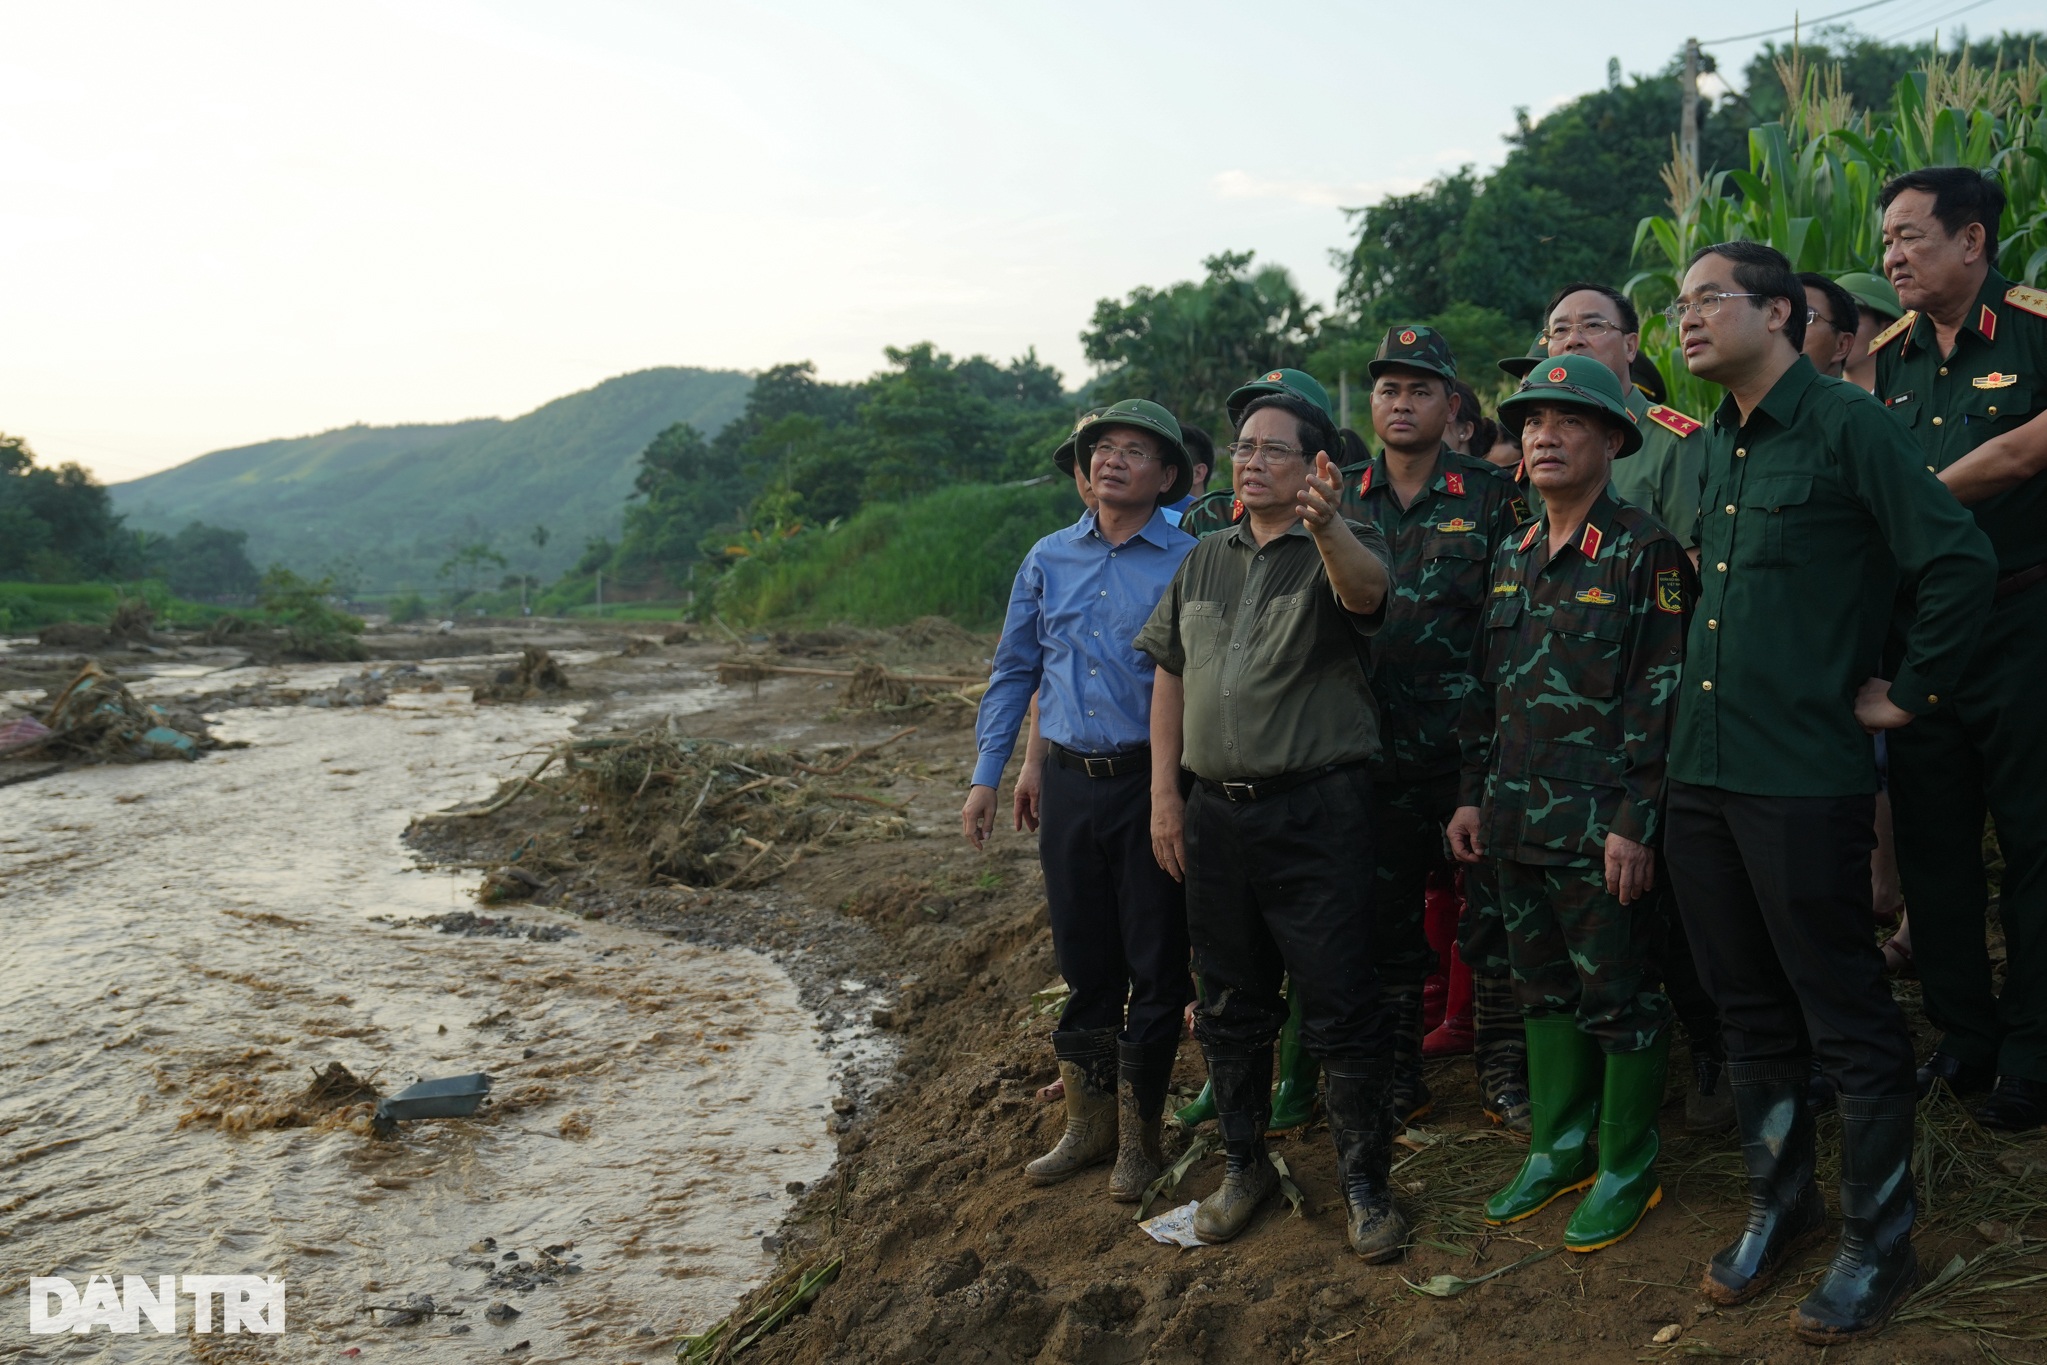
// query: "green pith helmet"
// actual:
[[1299, 383], [1520, 365], [1873, 292], [1577, 379], [1063, 456], [1145, 415], [1414, 347]]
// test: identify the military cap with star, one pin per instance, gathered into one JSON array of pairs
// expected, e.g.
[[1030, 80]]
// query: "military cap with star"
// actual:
[[1519, 365], [1580, 381], [1414, 347], [1298, 383], [1873, 292], [1145, 415], [1063, 456]]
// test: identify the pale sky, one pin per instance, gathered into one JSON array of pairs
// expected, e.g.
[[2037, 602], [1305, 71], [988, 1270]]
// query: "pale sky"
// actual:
[[228, 222]]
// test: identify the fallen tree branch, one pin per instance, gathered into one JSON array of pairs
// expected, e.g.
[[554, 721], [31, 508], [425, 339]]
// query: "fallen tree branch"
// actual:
[[506, 799], [854, 757]]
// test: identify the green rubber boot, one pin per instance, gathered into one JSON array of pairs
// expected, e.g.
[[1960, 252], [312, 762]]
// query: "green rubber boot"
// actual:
[[1564, 1071], [1293, 1101], [1200, 1109], [1627, 1187]]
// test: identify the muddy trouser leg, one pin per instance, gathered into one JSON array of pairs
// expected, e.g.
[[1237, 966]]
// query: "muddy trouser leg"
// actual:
[[1407, 822], [1500, 1044], [1775, 896]]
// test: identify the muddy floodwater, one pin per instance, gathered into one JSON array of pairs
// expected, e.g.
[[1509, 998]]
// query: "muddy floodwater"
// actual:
[[181, 944]]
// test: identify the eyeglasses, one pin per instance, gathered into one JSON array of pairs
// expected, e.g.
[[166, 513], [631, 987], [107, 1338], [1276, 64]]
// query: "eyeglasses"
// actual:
[[1243, 452], [1131, 455], [1592, 329], [1705, 306]]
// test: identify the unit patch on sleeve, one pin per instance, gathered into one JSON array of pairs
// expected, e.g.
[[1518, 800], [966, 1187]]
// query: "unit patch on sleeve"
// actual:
[[1670, 592]]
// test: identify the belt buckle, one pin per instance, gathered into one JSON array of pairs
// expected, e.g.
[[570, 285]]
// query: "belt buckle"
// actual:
[[1241, 791], [1108, 766]]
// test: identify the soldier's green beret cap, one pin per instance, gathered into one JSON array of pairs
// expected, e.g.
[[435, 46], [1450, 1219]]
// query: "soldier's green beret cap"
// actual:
[[1415, 348]]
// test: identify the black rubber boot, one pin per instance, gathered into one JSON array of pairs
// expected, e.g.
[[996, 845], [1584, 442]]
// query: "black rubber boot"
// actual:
[[1785, 1210], [1875, 1267], [1243, 1108], [1143, 1071], [1361, 1122], [1500, 1053], [1408, 1091], [1087, 1064]]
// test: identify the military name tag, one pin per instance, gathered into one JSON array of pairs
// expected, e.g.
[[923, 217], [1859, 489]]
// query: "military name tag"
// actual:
[[1896, 399], [1995, 380]]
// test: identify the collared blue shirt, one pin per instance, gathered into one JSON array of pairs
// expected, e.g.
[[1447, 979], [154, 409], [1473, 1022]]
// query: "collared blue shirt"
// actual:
[[1074, 613]]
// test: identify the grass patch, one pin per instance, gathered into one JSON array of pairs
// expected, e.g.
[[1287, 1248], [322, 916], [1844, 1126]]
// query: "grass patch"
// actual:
[[26, 607]]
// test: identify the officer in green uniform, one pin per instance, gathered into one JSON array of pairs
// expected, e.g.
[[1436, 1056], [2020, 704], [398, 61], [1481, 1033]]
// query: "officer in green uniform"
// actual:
[[1563, 787], [1966, 370], [1442, 514], [1878, 308], [1818, 516], [1662, 479]]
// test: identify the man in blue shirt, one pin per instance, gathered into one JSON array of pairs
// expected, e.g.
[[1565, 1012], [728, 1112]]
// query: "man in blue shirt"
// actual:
[[1119, 922]]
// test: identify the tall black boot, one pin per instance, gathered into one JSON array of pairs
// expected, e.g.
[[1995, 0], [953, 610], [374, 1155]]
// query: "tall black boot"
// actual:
[[1361, 1121], [1087, 1064], [1243, 1108], [1408, 1092], [1785, 1209], [1875, 1267], [1144, 1069], [1709, 1105]]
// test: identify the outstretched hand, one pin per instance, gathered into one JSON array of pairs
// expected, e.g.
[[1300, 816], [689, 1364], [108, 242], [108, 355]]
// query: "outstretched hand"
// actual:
[[1317, 504]]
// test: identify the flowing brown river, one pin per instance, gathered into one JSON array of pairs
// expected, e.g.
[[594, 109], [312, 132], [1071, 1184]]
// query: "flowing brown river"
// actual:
[[181, 944]]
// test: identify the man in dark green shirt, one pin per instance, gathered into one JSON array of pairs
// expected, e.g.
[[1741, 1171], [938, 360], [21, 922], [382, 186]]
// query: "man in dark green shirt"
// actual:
[[1816, 511], [1562, 785], [1262, 695], [1441, 513], [1966, 370]]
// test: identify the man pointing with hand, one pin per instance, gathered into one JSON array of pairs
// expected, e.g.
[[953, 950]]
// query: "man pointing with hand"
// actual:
[[1261, 702]]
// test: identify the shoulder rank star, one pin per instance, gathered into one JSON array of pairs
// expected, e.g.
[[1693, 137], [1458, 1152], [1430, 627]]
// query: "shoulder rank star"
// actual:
[[1454, 481], [1673, 420], [1598, 597], [1457, 524], [1995, 380], [2024, 296]]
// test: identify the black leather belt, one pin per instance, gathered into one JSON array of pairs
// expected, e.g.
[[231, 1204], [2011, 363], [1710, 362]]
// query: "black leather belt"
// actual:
[[1113, 765], [2024, 578], [1266, 787]]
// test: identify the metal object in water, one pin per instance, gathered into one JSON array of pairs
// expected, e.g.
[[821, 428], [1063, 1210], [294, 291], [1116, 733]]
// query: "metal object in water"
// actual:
[[450, 1097]]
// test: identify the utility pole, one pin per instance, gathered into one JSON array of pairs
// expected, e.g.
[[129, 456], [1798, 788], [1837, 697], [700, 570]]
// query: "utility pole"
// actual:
[[1688, 120], [600, 592], [1342, 397]]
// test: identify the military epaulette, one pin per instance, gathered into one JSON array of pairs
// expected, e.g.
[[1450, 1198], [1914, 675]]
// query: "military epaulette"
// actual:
[[1902, 327], [1590, 541], [1534, 530], [1670, 419], [2024, 296]]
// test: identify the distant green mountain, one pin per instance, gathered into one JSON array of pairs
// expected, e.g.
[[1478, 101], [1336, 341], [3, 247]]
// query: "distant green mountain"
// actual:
[[397, 501]]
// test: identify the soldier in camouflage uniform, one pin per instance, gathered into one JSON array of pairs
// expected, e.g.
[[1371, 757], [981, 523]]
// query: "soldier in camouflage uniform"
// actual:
[[1563, 784], [1441, 513]]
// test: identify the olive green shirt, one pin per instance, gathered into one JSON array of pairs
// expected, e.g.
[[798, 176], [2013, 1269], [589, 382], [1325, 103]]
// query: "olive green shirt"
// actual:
[[1995, 381], [1814, 511], [1662, 478], [1275, 669]]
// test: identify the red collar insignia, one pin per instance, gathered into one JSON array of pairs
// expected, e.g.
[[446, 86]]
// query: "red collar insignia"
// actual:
[[1589, 542], [1454, 481], [1236, 509], [1986, 323], [1534, 530], [1365, 481]]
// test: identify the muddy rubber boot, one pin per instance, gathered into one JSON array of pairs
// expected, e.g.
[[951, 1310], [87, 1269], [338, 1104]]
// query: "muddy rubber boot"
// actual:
[[1456, 1035], [1408, 1091], [1200, 1109], [1785, 1210], [1143, 1071], [1361, 1122], [1627, 1187], [1565, 1073], [1874, 1267], [1709, 1104], [1243, 1090], [1293, 1100], [1500, 1053], [1087, 1063]]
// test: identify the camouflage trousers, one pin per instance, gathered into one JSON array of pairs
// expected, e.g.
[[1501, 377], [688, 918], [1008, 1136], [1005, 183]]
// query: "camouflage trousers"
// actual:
[[1577, 950], [1482, 928]]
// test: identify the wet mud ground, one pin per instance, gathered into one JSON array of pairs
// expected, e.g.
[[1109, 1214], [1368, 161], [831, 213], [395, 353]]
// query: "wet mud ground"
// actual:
[[921, 959]]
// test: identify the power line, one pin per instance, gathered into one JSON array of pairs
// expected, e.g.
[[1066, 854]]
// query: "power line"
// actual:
[[1921, 27], [1801, 22]]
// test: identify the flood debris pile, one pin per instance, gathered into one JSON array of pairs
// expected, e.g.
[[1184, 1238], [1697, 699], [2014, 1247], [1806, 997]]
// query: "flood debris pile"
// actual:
[[334, 1097], [94, 718], [536, 673], [692, 812]]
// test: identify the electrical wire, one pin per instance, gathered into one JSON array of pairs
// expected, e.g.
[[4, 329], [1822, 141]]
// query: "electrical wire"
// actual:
[[1921, 27], [1799, 23]]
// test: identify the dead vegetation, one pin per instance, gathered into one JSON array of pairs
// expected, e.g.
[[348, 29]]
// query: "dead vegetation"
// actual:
[[94, 718], [537, 673]]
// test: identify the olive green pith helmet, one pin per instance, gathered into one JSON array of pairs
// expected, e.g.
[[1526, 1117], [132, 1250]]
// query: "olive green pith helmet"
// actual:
[[1296, 383], [1578, 380], [1147, 416], [1873, 292], [1063, 456], [1520, 365]]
